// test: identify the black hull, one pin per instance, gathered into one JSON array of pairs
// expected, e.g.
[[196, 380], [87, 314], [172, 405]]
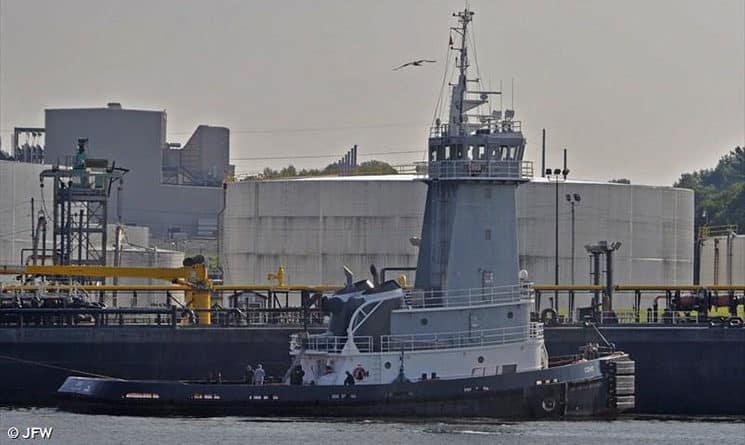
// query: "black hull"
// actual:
[[682, 370], [582, 390], [686, 370]]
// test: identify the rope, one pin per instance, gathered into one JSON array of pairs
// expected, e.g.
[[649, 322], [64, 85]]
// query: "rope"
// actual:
[[472, 36], [46, 365], [442, 87]]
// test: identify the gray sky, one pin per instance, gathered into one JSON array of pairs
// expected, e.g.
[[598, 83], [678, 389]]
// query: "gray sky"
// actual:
[[636, 89]]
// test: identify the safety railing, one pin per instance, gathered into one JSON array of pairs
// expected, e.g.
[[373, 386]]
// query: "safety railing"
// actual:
[[493, 126], [476, 169], [462, 339], [156, 317], [329, 343], [418, 299]]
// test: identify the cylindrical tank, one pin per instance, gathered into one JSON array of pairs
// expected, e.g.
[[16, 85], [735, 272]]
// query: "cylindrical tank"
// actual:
[[133, 235], [315, 226], [140, 257], [723, 260]]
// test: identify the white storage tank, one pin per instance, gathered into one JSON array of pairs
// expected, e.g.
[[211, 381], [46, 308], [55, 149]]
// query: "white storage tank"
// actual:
[[143, 257], [315, 226], [723, 260], [19, 182]]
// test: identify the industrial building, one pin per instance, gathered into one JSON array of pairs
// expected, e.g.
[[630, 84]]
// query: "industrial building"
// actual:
[[315, 226], [156, 205], [163, 178]]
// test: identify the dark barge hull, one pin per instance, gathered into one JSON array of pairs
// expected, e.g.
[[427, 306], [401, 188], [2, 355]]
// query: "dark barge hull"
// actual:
[[586, 389], [683, 370]]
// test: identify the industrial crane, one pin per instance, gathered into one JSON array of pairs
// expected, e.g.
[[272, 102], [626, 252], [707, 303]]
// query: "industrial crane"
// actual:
[[191, 278]]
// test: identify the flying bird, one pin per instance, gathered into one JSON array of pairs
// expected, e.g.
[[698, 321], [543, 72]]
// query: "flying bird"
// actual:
[[414, 63]]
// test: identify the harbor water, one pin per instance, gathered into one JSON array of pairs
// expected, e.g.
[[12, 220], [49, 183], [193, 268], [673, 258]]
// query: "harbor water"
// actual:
[[67, 428]]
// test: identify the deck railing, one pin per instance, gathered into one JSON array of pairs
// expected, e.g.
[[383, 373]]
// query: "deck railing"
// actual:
[[418, 342], [156, 317], [462, 339], [417, 299], [329, 343], [493, 126], [476, 169]]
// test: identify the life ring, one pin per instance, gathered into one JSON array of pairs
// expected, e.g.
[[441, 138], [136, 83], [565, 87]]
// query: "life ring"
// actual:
[[359, 373], [548, 405]]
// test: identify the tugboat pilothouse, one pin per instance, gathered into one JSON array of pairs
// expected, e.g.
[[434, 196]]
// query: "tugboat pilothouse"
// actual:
[[461, 343]]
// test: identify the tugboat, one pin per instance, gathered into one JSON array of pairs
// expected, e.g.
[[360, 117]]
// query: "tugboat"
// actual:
[[461, 343]]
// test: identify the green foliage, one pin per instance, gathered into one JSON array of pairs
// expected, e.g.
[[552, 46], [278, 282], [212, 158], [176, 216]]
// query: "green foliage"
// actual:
[[375, 168], [719, 192], [366, 168]]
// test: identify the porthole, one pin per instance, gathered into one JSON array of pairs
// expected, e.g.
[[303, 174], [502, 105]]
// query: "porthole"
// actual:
[[480, 359], [387, 365], [510, 314], [424, 321]]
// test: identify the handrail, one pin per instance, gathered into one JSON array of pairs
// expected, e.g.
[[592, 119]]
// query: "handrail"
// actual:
[[331, 343], [40, 317], [416, 342], [461, 339], [476, 169], [418, 299], [493, 126]]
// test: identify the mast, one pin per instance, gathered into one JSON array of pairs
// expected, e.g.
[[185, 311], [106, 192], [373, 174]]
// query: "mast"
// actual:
[[457, 111]]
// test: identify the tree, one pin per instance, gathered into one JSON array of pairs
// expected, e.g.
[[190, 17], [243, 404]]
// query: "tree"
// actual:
[[719, 193], [372, 167]]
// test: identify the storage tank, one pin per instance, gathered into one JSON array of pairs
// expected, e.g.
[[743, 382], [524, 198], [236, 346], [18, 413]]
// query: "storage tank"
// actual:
[[143, 257], [315, 226], [133, 235], [723, 259], [19, 182]]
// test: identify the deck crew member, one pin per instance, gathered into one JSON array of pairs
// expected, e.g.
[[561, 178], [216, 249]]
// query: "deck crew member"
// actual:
[[259, 375], [249, 375], [296, 378], [349, 381]]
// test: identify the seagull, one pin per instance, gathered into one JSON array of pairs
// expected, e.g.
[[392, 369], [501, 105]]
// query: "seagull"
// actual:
[[414, 63]]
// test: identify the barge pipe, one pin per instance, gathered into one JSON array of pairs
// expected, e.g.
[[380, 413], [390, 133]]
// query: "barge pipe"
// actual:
[[94, 288], [397, 269]]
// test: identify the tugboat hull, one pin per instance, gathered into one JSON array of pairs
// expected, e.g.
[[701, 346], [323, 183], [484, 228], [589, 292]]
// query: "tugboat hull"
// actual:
[[594, 388]]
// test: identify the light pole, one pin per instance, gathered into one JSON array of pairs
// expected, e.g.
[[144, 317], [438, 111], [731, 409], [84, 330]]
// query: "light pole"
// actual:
[[573, 200], [557, 174]]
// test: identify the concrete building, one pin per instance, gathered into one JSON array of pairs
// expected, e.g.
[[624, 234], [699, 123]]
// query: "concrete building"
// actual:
[[163, 184], [194, 164], [314, 226]]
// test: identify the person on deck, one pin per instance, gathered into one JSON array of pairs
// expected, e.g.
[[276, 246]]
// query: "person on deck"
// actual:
[[259, 375], [296, 378], [249, 376], [349, 381]]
